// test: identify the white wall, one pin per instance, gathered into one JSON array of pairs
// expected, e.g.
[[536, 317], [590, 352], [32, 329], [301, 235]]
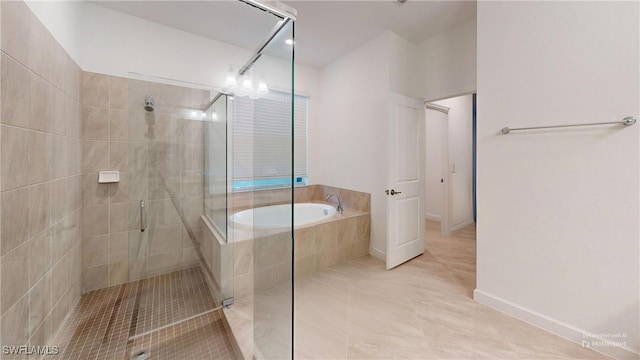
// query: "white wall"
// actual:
[[348, 146], [109, 42], [447, 63], [348, 143], [558, 230], [460, 140]]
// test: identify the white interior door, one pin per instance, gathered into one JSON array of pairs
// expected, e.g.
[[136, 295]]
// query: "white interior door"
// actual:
[[405, 192]]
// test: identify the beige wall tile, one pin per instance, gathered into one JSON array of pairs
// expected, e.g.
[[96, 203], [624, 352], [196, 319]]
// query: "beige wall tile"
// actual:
[[40, 156], [243, 257], [39, 207], [118, 93], [360, 248], [119, 156], [95, 251], [95, 220], [39, 303], [305, 265], [74, 119], [60, 158], [326, 258], [124, 216], [138, 246], [15, 157], [95, 278], [326, 237], [74, 151], [118, 125], [59, 241], [305, 242], [118, 247], [94, 193], [193, 157], [163, 263], [192, 183], [59, 280], [42, 110], [58, 189], [192, 131], [138, 185], [73, 194], [15, 324], [162, 213], [95, 156], [271, 251], [60, 66], [164, 239], [364, 227], [43, 334], [42, 50], [15, 276], [189, 258], [16, 28], [163, 184], [95, 123], [347, 231], [39, 256], [95, 89], [15, 218], [59, 116], [118, 273], [119, 192], [16, 92], [138, 269], [59, 311]]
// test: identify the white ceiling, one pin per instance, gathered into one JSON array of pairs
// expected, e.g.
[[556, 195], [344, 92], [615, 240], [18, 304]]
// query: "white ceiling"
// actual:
[[325, 30]]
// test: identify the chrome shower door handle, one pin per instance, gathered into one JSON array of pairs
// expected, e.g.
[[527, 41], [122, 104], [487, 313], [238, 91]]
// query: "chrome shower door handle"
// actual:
[[143, 216]]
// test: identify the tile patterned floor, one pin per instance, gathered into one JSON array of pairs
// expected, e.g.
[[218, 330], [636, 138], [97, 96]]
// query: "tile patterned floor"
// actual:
[[114, 322], [420, 310]]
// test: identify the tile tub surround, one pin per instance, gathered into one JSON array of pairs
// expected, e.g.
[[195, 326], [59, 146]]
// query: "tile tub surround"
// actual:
[[160, 159], [40, 194], [259, 259]]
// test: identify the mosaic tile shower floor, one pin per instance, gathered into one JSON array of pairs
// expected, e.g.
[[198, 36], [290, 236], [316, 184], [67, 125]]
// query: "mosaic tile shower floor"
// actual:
[[171, 316]]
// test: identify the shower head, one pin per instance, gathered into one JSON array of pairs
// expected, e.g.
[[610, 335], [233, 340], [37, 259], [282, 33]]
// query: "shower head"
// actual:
[[148, 103]]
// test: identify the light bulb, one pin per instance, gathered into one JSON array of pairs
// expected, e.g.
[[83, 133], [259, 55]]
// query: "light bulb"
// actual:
[[247, 84], [289, 41], [263, 89], [230, 82]]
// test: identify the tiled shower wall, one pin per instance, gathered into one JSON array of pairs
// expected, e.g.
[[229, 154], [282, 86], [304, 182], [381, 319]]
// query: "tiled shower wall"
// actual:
[[160, 158], [40, 184]]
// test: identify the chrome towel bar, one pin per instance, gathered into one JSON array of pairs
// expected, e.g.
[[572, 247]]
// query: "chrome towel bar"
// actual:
[[628, 121]]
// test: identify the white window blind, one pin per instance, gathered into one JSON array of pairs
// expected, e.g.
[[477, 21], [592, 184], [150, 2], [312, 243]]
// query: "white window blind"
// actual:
[[262, 137]]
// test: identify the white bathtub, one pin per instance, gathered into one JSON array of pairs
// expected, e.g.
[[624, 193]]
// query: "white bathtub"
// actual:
[[279, 216]]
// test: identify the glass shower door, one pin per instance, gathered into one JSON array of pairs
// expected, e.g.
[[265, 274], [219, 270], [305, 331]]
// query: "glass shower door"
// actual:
[[273, 186], [166, 197]]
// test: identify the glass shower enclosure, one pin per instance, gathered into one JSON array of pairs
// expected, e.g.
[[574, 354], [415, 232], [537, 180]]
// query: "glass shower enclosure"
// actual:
[[199, 154]]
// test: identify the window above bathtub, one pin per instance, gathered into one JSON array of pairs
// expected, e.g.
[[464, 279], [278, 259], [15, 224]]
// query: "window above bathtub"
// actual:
[[262, 142]]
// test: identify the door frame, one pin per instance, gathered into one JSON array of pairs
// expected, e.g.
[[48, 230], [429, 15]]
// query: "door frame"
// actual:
[[447, 196]]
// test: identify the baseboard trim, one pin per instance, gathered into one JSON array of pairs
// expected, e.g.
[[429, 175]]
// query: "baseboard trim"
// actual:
[[572, 333], [461, 225], [378, 254], [433, 217]]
